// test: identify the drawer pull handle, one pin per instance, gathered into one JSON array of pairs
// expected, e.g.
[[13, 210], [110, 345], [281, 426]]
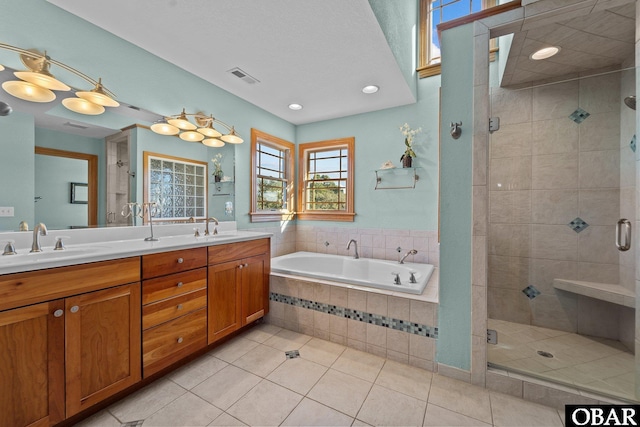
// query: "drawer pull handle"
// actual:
[[74, 309], [58, 313], [180, 340], [179, 284], [179, 306], [180, 260]]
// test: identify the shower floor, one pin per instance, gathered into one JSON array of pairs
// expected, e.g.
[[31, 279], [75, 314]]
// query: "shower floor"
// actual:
[[589, 363]]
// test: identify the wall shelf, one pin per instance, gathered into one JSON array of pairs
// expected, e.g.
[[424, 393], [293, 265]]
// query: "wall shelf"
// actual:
[[396, 178]]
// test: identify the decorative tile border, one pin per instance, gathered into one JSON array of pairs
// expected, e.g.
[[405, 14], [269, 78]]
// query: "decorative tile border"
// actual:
[[361, 316]]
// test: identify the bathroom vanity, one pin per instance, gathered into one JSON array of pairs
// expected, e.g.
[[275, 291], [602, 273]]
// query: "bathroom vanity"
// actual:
[[74, 335]]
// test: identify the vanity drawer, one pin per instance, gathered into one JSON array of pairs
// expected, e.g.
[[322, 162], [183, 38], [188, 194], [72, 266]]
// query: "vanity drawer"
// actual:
[[235, 251], [33, 287], [165, 310], [155, 265], [154, 290], [167, 343]]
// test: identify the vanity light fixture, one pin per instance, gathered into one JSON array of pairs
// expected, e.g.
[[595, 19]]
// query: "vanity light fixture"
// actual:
[[1, 67], [295, 107], [180, 125], [37, 83], [370, 89], [544, 53]]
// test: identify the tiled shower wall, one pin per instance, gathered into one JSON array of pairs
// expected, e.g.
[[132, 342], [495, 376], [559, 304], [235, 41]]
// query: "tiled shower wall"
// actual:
[[560, 173]]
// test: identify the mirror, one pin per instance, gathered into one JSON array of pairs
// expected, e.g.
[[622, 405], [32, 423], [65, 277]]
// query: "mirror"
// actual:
[[29, 185]]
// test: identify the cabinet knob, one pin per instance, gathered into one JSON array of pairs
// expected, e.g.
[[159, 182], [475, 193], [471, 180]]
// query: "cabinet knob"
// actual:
[[180, 260], [179, 284], [241, 266], [246, 265], [58, 313], [74, 309], [179, 306], [180, 340]]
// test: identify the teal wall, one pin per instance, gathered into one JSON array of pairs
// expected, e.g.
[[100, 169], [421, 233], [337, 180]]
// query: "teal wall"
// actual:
[[454, 312], [17, 142]]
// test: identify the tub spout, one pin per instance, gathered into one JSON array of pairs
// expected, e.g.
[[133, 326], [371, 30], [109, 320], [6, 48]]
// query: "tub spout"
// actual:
[[411, 252], [356, 256]]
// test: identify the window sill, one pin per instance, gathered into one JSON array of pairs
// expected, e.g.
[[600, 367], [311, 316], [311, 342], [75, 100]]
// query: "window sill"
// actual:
[[271, 216], [326, 216]]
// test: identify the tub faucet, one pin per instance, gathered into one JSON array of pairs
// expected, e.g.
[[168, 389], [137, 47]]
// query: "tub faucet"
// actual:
[[206, 227], [39, 230], [411, 252], [356, 256]]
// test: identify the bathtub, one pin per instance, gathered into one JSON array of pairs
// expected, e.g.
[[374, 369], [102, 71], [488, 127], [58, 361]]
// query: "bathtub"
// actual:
[[372, 273]]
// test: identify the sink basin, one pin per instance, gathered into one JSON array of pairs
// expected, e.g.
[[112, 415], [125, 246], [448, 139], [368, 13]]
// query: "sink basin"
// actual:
[[48, 254]]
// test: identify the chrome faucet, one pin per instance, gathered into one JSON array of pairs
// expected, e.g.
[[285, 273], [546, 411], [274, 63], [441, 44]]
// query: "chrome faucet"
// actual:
[[411, 252], [206, 228], [39, 230], [356, 256]]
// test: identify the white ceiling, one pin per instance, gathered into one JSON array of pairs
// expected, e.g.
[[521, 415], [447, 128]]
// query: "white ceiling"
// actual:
[[316, 53]]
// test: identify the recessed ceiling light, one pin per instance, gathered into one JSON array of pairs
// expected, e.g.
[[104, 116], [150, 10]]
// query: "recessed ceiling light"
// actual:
[[370, 89], [295, 107], [544, 53]]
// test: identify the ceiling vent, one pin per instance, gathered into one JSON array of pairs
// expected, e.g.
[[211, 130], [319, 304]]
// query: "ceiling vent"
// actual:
[[243, 76], [75, 125]]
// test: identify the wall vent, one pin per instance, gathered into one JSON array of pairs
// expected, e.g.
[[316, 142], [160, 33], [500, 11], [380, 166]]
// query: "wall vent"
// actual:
[[75, 125], [243, 76]]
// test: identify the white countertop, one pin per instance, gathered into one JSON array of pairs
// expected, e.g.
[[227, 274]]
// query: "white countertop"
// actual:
[[103, 249]]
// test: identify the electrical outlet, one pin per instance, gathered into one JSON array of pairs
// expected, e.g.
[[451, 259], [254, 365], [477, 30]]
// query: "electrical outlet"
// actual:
[[6, 211]]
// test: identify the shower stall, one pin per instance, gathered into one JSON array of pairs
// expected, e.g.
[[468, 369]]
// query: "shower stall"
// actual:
[[562, 205]]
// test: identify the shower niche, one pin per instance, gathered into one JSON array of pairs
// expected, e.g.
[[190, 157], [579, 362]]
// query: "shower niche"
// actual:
[[119, 175]]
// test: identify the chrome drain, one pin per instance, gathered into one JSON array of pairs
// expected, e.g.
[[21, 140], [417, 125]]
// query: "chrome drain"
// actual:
[[545, 354]]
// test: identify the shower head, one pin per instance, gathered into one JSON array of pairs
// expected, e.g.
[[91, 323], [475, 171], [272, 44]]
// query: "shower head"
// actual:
[[630, 101]]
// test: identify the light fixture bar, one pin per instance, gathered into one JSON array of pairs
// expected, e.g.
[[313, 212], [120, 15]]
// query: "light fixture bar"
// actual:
[[180, 125]]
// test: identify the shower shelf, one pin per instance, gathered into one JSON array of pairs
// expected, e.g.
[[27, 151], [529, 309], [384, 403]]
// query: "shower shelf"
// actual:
[[395, 178], [615, 294]]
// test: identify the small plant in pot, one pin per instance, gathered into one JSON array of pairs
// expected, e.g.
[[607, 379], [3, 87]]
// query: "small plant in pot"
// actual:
[[409, 135], [217, 167]]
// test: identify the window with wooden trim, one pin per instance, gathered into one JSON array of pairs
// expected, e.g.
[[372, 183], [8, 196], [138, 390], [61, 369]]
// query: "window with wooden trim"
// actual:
[[178, 187], [272, 170], [325, 180], [435, 12]]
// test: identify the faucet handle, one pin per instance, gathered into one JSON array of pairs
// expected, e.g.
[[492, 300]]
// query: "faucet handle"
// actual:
[[59, 243], [412, 277], [196, 232], [215, 230], [10, 249], [396, 280]]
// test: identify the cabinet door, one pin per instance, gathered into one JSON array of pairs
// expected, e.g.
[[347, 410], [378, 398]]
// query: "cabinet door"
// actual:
[[32, 365], [254, 288], [102, 333], [224, 303]]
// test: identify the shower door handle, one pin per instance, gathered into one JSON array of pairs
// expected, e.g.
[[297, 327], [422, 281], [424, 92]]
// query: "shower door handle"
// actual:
[[626, 224]]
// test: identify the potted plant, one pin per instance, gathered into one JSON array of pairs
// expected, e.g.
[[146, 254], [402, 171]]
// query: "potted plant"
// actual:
[[409, 135], [217, 167]]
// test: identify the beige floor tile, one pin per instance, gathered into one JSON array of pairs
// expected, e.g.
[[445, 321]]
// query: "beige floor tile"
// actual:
[[261, 360], [101, 419], [341, 391], [359, 364], [187, 410], [262, 332], [405, 379], [298, 374], [197, 371], [286, 340], [143, 403], [321, 351], [528, 365], [234, 349], [385, 407], [360, 423], [511, 411], [458, 396], [441, 417], [267, 404], [225, 387], [311, 413], [226, 420]]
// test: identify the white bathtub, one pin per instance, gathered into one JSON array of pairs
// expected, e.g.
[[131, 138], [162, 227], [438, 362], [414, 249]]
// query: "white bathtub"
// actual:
[[372, 273]]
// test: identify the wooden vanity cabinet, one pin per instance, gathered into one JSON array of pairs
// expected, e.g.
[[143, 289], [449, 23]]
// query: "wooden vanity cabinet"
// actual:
[[174, 311], [59, 357], [238, 285]]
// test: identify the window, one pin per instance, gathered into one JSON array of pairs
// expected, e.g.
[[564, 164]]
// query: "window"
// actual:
[[271, 176], [434, 12], [178, 186], [325, 181]]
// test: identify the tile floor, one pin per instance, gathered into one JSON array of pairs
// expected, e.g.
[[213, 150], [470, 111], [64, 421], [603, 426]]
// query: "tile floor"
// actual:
[[250, 381], [595, 364]]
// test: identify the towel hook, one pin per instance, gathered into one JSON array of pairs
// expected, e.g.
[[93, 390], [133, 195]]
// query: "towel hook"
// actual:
[[456, 130]]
